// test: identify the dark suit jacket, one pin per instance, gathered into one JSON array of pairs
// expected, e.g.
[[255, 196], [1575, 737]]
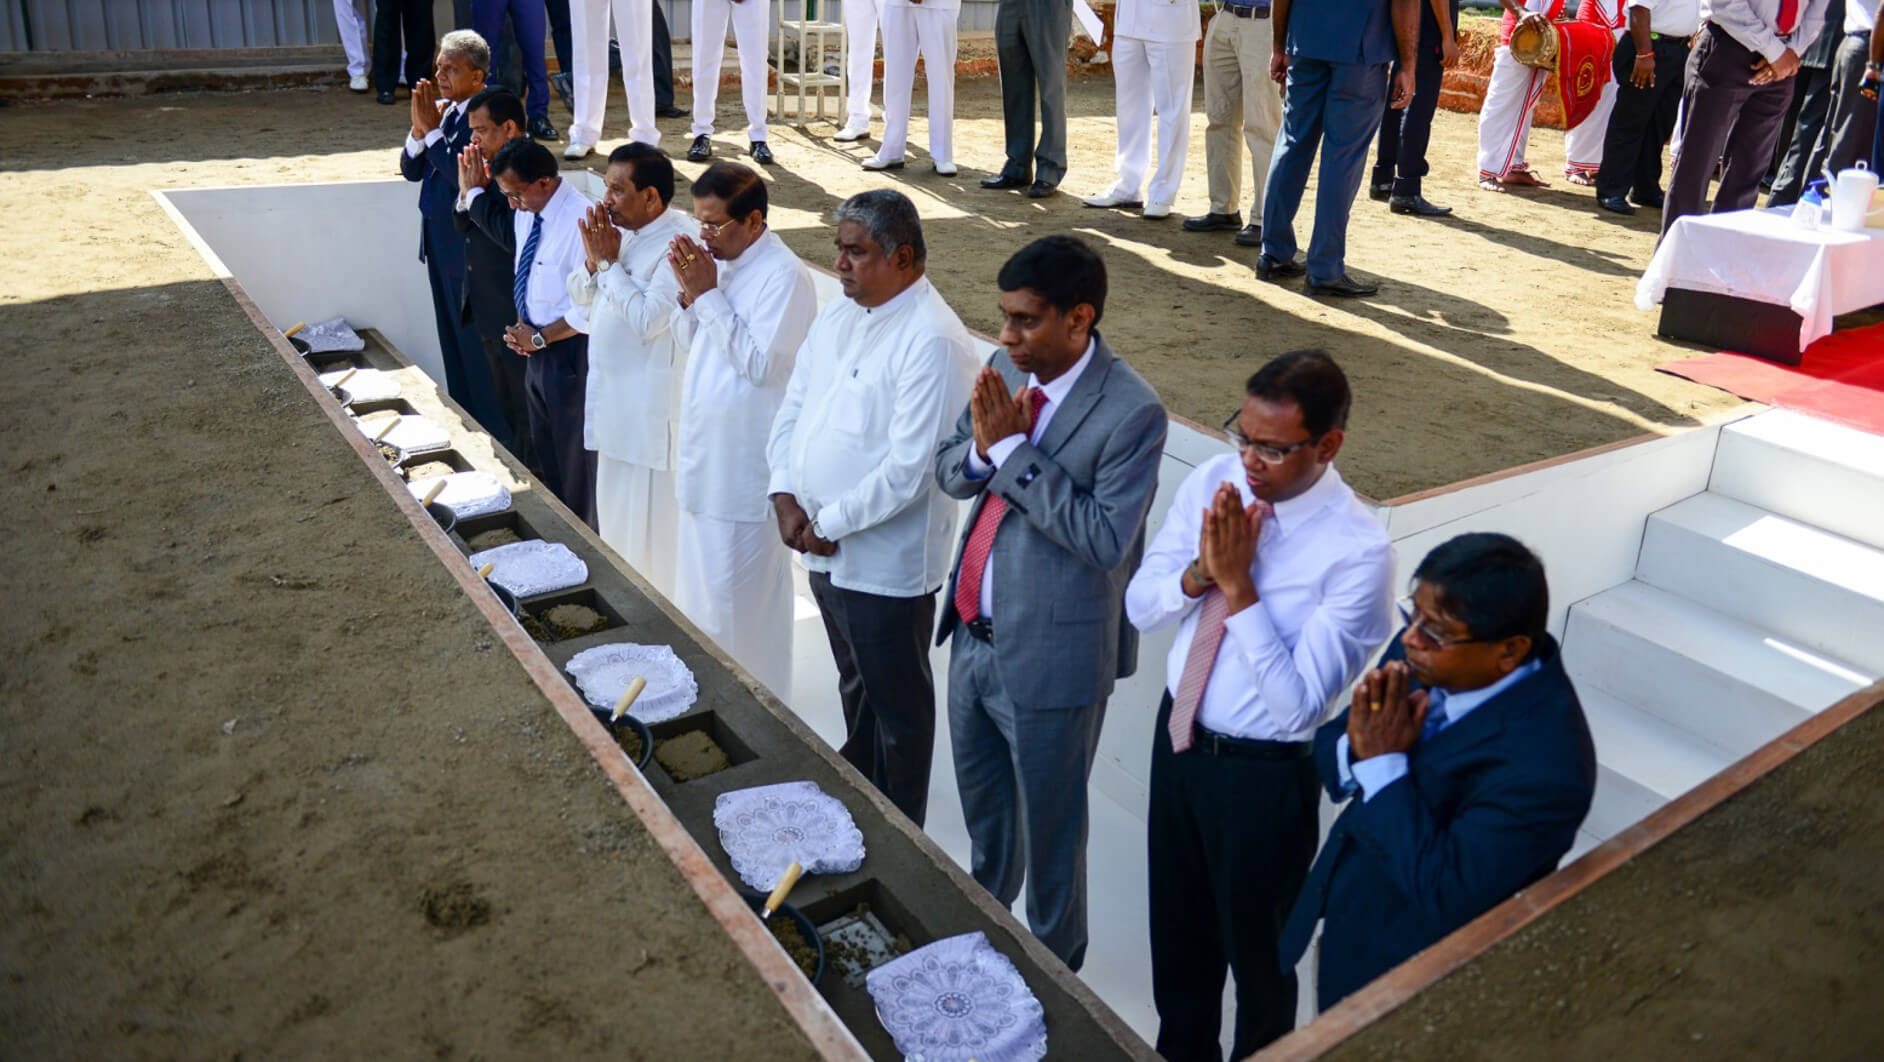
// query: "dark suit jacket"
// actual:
[[435, 170], [1490, 804], [1072, 535], [490, 256]]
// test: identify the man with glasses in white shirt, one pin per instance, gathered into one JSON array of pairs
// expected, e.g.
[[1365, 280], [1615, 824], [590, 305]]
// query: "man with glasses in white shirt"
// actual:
[[746, 302], [877, 385], [1280, 583]]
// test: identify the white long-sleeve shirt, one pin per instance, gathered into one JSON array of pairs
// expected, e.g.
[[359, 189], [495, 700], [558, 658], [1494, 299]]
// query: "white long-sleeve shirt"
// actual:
[[632, 404], [873, 393], [741, 338], [558, 251], [1755, 24], [1324, 576]]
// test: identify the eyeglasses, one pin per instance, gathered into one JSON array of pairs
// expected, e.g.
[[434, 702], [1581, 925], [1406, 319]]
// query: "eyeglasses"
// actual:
[[1424, 628], [714, 228], [1273, 455]]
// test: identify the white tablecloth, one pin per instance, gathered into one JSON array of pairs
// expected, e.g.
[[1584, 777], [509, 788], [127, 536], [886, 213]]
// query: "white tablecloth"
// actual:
[[1762, 256]]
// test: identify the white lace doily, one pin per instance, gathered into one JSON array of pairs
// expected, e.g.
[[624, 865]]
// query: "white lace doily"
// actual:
[[332, 334], [534, 567], [365, 385], [958, 999], [412, 435], [466, 494], [765, 828], [602, 673]]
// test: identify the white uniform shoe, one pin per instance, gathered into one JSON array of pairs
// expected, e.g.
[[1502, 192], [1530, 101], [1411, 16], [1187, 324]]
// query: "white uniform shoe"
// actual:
[[878, 163], [358, 84], [577, 150], [852, 132], [1157, 210], [944, 169], [1113, 198]]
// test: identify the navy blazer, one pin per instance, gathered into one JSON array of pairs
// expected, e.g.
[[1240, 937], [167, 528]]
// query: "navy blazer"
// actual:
[[490, 253], [1489, 805], [1343, 31], [435, 170]]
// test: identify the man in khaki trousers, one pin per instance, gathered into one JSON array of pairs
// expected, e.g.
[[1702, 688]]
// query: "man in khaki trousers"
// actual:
[[1238, 95]]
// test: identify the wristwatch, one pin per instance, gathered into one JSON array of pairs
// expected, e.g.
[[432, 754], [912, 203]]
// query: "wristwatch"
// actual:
[[1197, 575], [603, 266], [816, 530], [537, 342]]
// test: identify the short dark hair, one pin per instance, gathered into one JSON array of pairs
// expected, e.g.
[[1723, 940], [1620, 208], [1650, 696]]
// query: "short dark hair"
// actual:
[[648, 167], [500, 105], [1060, 269], [741, 189], [1490, 582], [890, 219], [526, 160], [1311, 380]]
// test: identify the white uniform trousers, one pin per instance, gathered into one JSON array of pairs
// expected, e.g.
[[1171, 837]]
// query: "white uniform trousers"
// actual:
[[1504, 121], [635, 515], [634, 28], [352, 26], [1240, 99], [907, 31], [733, 580], [860, 37], [751, 22], [1152, 77], [1583, 146]]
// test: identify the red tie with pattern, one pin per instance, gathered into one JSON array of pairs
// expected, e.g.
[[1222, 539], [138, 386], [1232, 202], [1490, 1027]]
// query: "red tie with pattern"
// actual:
[[1205, 639], [1788, 15], [981, 538]]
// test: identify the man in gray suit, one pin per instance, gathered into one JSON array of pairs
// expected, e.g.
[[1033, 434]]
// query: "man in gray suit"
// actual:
[[1061, 442], [1030, 46]]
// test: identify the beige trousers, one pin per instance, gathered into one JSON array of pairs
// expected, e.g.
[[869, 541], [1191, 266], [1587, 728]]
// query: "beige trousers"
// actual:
[[1239, 97]]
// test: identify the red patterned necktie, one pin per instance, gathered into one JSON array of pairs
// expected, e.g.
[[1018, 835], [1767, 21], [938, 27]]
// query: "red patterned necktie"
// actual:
[[1205, 638], [981, 538], [1788, 15]]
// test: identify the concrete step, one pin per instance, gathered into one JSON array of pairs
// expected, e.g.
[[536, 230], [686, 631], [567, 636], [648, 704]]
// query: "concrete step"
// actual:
[[1800, 582], [1620, 803], [1811, 470], [1645, 751], [1715, 677]]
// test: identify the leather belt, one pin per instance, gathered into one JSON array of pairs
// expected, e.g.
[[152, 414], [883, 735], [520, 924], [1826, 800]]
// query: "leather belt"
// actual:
[[981, 629], [1211, 743], [1245, 10]]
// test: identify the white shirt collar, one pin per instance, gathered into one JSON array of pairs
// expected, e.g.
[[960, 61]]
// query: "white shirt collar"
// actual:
[[760, 249], [1325, 492], [901, 299], [1056, 391]]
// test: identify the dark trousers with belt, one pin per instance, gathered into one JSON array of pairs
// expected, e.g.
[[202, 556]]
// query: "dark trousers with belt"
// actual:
[[1030, 46], [556, 382], [1231, 833], [1642, 122], [527, 17], [1728, 118], [508, 369], [467, 378], [1404, 134], [392, 20], [881, 645]]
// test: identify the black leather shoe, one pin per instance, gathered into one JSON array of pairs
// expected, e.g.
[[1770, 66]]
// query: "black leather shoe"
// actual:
[[669, 111], [1041, 190], [1380, 193], [761, 154], [1002, 180], [1250, 235], [1268, 268], [1214, 223], [1343, 286], [1417, 206], [565, 87], [1615, 204], [1652, 200], [701, 150], [385, 96], [540, 129]]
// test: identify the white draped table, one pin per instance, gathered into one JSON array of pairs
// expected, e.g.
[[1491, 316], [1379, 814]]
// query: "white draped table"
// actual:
[[1762, 256]]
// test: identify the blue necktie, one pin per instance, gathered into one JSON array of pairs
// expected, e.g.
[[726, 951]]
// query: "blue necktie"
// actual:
[[1435, 715], [520, 289]]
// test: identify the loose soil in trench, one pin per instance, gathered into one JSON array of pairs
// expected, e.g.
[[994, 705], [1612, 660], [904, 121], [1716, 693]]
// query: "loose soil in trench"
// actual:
[[280, 791]]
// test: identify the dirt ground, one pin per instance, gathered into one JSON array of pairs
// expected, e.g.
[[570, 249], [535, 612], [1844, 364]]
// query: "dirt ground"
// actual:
[[267, 789]]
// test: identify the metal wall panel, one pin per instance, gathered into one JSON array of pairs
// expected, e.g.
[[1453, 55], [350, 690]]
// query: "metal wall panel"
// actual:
[[133, 25]]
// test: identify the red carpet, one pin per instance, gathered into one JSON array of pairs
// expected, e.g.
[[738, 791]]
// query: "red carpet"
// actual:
[[1841, 378]]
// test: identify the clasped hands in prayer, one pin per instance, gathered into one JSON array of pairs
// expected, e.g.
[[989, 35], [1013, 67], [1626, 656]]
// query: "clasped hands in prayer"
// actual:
[[693, 267], [472, 171], [1385, 717], [601, 240], [994, 413], [426, 109], [1226, 549]]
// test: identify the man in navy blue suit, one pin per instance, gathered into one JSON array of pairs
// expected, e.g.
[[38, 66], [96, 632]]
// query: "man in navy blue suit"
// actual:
[[440, 130], [1470, 759], [1335, 56]]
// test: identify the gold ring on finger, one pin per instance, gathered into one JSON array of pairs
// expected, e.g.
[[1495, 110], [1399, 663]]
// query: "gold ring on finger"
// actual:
[[1373, 706]]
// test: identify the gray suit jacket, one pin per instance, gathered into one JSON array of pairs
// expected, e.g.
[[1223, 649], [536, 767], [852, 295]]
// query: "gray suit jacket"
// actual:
[[1072, 535]]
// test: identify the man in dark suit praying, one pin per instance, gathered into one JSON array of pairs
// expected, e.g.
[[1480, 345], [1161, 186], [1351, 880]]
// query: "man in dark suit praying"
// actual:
[[496, 117], [1464, 760]]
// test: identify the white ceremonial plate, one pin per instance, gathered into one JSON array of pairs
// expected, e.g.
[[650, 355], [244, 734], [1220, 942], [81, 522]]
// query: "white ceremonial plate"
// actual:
[[527, 569], [766, 828], [958, 999], [466, 494], [602, 673]]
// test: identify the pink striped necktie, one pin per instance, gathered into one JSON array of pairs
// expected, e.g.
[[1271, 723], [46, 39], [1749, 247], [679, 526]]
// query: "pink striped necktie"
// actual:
[[981, 539], [1202, 657]]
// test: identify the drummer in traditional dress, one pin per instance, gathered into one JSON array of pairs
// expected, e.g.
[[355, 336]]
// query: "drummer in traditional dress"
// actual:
[[1511, 94]]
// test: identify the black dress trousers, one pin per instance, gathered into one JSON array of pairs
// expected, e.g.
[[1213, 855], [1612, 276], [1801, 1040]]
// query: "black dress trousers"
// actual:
[[1642, 121], [556, 380], [1404, 133]]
